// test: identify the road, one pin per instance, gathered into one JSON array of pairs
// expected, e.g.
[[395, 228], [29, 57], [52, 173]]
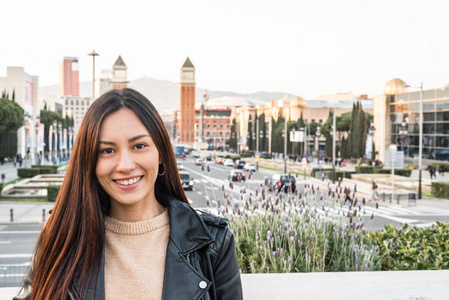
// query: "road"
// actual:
[[17, 241]]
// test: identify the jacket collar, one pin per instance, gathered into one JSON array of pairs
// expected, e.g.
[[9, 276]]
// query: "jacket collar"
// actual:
[[187, 230]]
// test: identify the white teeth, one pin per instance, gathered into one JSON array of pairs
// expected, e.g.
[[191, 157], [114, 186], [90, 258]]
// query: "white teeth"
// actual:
[[128, 182]]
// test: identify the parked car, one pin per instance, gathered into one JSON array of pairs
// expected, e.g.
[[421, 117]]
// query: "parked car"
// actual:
[[281, 180], [234, 175], [186, 180], [180, 166], [240, 164], [250, 167], [228, 163]]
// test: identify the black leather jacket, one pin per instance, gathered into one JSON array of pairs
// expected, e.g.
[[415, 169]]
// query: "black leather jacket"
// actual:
[[201, 261]]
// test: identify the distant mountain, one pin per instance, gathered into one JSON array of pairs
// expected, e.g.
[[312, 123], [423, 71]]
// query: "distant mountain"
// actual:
[[163, 94]]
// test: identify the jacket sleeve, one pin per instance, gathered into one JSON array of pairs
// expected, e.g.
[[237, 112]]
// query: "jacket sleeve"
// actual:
[[226, 270]]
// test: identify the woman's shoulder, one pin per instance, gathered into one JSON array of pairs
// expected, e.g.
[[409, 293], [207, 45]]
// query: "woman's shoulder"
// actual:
[[211, 219]]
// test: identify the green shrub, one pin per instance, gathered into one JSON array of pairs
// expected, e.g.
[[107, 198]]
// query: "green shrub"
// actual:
[[365, 169], [1, 188], [266, 156], [52, 192], [46, 169], [246, 155], [413, 249], [280, 233], [314, 170], [400, 172], [345, 174], [27, 172], [440, 189]]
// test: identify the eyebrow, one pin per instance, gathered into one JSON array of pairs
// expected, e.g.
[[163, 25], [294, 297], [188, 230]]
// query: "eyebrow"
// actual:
[[131, 140]]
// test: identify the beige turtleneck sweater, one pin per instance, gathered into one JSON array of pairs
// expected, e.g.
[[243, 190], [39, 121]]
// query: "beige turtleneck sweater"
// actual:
[[135, 257]]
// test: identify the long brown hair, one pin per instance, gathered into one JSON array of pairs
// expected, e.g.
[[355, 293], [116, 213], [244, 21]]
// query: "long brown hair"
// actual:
[[70, 246]]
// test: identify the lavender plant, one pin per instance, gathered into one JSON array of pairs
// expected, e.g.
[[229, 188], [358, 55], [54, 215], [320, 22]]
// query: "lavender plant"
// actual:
[[306, 231]]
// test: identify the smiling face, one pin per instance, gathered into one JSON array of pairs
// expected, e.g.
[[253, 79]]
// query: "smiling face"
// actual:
[[127, 167]]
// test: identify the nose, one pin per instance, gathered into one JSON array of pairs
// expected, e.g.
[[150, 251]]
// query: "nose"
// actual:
[[125, 162]]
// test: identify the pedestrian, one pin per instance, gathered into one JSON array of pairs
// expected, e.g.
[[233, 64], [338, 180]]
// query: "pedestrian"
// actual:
[[441, 170], [15, 161], [374, 194], [429, 168], [433, 173], [122, 227], [19, 159]]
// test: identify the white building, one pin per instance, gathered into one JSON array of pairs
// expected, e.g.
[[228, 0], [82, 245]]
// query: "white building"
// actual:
[[25, 89]]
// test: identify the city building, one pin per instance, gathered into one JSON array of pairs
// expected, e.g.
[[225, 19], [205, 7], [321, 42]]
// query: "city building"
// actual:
[[119, 75], [396, 120], [292, 108], [69, 84], [23, 88], [186, 120], [76, 107], [114, 79]]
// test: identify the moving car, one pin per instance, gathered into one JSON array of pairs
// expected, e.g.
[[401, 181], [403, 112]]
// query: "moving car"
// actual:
[[250, 167], [199, 161], [228, 163], [281, 180], [240, 164], [180, 166], [186, 180], [234, 175]]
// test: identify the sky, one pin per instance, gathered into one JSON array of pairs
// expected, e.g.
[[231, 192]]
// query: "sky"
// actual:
[[306, 48]]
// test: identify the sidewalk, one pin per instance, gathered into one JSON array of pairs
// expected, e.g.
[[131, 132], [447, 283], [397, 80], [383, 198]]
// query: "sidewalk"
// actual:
[[399, 285]]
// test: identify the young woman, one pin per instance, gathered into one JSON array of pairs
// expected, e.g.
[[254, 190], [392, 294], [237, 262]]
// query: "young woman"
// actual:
[[122, 227]]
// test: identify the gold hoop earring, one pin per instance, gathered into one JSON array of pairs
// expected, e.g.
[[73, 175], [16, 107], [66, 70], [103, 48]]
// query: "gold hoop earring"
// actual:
[[163, 172]]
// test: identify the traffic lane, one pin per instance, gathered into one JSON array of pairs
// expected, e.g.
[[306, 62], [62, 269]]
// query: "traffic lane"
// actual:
[[17, 242]]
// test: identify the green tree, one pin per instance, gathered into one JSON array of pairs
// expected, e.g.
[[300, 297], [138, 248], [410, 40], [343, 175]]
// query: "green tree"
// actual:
[[250, 142], [232, 141], [47, 118], [277, 141], [263, 144], [11, 119]]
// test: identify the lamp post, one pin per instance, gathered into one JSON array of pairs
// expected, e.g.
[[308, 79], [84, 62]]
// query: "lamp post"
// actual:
[[293, 141], [334, 126], [420, 137], [371, 131], [60, 140], [317, 141], [285, 145], [55, 142], [93, 54], [26, 124]]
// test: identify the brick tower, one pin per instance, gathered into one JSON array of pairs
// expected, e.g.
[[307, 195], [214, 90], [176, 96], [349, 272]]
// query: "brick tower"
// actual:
[[187, 104]]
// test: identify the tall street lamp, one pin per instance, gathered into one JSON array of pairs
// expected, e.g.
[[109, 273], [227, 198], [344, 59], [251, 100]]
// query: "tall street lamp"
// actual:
[[420, 137], [317, 141], [26, 127], [93, 54], [55, 141], [371, 131], [334, 136]]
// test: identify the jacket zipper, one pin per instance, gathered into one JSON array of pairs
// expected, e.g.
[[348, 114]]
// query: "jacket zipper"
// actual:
[[188, 258], [71, 295]]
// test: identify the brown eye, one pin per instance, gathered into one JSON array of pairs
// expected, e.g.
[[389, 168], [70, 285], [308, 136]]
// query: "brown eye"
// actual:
[[107, 151], [140, 146]]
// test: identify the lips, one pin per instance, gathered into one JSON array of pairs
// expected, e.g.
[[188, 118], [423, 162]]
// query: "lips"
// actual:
[[129, 181]]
